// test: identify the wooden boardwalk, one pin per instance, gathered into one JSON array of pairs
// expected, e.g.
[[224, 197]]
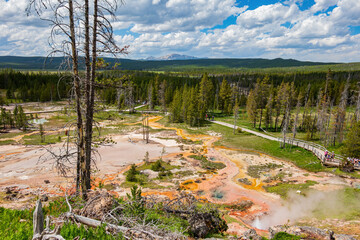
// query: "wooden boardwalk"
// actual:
[[316, 149]]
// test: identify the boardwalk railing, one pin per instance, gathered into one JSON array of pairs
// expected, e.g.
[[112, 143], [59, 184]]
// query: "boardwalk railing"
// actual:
[[317, 149]]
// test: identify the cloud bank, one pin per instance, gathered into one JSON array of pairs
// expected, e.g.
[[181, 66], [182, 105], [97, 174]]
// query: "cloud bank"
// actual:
[[327, 30]]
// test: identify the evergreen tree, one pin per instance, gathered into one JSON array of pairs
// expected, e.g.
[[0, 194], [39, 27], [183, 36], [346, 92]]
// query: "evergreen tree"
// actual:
[[9, 93], [176, 115], [193, 112], [224, 96], [42, 133], [298, 105], [269, 111], [205, 96], [2, 101], [152, 95], [307, 102], [186, 95], [10, 120], [162, 96], [261, 95], [278, 106], [352, 143], [251, 108], [4, 118], [20, 118], [16, 116], [131, 174]]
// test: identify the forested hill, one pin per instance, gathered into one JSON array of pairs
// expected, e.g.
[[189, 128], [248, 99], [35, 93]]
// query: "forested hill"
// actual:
[[39, 63]]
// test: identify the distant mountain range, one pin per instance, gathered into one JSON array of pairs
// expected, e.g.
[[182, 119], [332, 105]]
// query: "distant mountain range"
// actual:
[[166, 63], [173, 56]]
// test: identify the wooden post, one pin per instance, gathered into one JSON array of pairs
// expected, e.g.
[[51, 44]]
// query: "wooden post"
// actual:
[[38, 218]]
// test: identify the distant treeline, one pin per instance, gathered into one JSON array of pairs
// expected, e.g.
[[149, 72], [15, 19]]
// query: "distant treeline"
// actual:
[[124, 88], [143, 82], [55, 63], [34, 86]]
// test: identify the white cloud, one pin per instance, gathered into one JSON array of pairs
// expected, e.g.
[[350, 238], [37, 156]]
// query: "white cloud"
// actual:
[[176, 15], [160, 27], [323, 5], [267, 14], [329, 42]]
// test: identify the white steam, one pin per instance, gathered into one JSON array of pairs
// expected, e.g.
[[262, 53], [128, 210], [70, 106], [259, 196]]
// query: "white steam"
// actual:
[[298, 206]]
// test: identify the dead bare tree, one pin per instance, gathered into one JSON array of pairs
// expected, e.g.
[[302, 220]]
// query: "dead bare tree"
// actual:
[[161, 95], [340, 119], [146, 129], [269, 111], [323, 109], [129, 96], [357, 110], [236, 114], [71, 25], [298, 104]]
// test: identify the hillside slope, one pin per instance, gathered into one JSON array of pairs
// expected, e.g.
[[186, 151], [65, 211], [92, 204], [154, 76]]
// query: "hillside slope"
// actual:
[[39, 63]]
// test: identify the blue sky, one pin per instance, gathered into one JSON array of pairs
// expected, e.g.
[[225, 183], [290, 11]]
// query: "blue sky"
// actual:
[[315, 30]]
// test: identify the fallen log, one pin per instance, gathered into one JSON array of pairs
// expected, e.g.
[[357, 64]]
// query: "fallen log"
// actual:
[[128, 233], [93, 223]]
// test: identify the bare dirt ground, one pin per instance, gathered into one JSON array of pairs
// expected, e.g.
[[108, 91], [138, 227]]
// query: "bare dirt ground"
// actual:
[[21, 169]]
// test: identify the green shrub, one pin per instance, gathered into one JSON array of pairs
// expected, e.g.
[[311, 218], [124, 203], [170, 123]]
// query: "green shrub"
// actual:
[[12, 228], [136, 205], [283, 188], [285, 236], [70, 231], [164, 173], [131, 174], [206, 164], [157, 166]]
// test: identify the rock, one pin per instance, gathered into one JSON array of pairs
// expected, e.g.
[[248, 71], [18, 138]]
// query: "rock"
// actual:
[[199, 227], [307, 232], [343, 237], [201, 224], [44, 198], [47, 181], [243, 205], [232, 238], [250, 234], [11, 190], [11, 197], [99, 203], [245, 181], [150, 173], [8, 190]]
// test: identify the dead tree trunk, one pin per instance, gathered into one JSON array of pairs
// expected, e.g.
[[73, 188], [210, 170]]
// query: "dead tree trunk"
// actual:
[[38, 219], [306, 105], [38, 226], [80, 130], [357, 111], [298, 104], [286, 122], [236, 114], [90, 101]]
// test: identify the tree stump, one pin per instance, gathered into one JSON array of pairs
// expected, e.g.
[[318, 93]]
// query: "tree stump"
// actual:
[[38, 218]]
